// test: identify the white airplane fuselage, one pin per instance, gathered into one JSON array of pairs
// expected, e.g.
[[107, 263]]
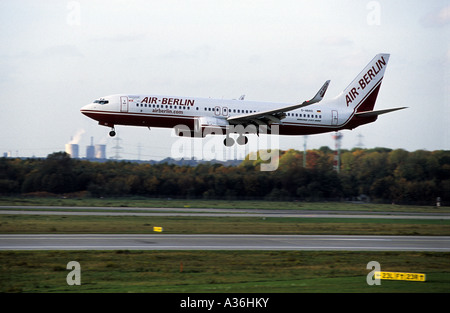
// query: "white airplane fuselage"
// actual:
[[350, 109], [160, 111]]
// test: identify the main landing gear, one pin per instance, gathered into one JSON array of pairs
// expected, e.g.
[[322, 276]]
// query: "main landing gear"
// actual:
[[229, 142]]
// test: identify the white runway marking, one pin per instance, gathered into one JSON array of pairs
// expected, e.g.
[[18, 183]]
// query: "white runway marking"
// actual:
[[223, 242]]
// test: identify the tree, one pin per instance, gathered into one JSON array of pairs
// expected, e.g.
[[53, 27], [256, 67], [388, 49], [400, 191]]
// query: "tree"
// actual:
[[382, 174]]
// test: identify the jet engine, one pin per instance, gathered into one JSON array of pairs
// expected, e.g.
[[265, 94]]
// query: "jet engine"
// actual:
[[207, 125]]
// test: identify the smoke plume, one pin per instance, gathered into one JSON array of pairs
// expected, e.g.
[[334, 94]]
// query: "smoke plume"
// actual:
[[76, 139]]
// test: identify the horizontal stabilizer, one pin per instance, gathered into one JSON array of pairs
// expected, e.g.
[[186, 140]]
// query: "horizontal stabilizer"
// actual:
[[378, 112]]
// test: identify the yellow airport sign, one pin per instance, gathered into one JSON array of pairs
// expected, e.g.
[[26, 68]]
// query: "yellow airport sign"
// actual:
[[400, 276], [158, 229]]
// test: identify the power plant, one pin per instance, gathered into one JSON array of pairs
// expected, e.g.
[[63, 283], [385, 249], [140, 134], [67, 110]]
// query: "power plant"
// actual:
[[90, 150], [100, 152], [93, 152], [72, 149]]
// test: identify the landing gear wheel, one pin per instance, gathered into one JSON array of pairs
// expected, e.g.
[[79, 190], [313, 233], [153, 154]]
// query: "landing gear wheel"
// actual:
[[242, 140], [228, 142], [112, 133]]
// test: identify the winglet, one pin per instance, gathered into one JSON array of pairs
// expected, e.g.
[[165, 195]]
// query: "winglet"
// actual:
[[320, 94]]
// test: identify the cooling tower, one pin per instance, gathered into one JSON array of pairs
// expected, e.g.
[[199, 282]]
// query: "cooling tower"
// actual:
[[72, 150], [100, 151], [90, 152]]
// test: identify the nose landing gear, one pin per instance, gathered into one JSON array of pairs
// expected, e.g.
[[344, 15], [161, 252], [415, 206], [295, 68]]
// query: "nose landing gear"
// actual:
[[112, 133]]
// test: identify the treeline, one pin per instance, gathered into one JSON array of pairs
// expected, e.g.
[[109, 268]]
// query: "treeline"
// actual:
[[380, 174]]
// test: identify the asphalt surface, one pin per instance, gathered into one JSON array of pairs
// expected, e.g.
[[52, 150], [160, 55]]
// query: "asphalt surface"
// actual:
[[218, 242], [211, 212], [223, 242]]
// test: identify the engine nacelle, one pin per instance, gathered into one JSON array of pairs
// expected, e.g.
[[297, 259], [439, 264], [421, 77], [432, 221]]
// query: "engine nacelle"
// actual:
[[183, 131], [207, 125]]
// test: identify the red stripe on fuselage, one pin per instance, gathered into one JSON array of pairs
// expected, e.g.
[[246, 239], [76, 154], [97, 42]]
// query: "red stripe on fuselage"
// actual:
[[170, 121], [139, 119]]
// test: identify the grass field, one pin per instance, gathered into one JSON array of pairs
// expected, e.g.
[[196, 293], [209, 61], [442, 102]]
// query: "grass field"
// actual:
[[219, 204], [219, 271], [29, 224]]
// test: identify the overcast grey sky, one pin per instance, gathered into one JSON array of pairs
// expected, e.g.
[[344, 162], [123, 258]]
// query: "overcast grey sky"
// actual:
[[57, 56]]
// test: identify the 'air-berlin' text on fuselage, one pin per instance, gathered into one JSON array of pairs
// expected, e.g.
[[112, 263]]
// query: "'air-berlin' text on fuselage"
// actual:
[[365, 80], [169, 101]]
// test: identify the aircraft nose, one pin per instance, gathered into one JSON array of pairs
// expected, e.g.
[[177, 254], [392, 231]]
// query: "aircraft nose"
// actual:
[[86, 108]]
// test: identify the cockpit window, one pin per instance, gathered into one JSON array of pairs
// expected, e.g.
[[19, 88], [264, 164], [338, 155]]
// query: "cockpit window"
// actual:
[[101, 101]]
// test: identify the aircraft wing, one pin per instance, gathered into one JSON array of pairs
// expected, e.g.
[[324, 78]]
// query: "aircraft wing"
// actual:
[[276, 115]]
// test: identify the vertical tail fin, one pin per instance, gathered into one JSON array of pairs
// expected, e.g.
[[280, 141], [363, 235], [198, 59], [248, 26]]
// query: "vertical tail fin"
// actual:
[[362, 92]]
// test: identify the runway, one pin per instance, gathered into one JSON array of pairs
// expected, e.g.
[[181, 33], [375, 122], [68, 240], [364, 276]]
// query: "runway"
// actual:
[[223, 242], [218, 242], [211, 212]]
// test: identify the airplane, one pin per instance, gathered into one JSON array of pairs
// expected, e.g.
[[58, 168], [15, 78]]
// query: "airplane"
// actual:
[[198, 117]]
